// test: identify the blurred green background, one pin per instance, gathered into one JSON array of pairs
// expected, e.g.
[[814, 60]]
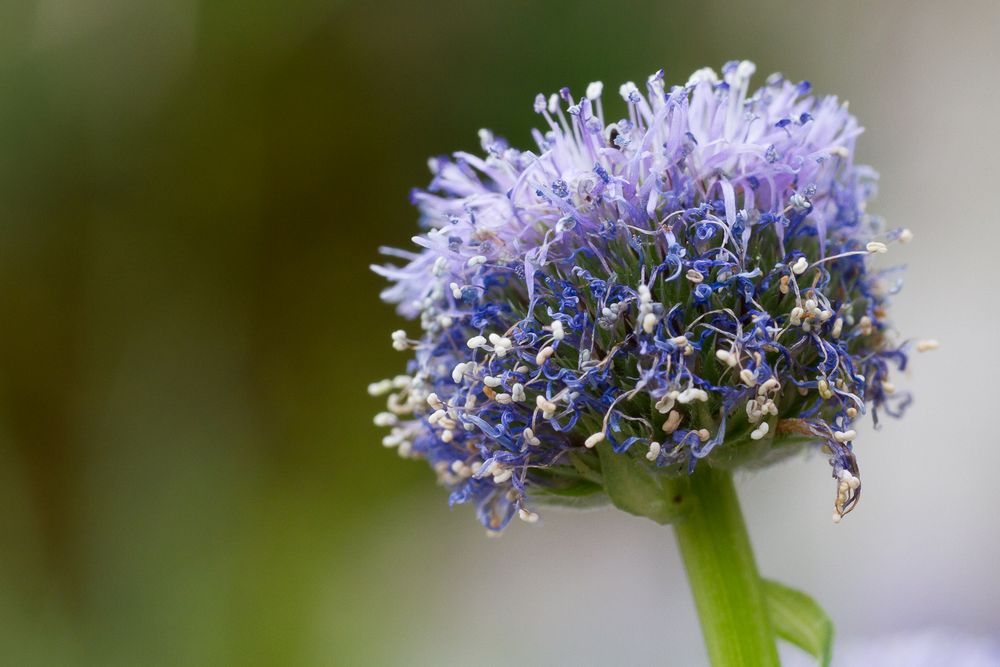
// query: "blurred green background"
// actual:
[[190, 195]]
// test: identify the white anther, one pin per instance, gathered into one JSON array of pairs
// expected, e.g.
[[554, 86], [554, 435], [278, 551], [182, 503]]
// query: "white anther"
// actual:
[[692, 394], [666, 402], [526, 516], [380, 388], [876, 247], [547, 407], [400, 407], [795, 318], [517, 392], [837, 517], [824, 388], [847, 481], [905, 236], [845, 436], [594, 90], [888, 387], [760, 431], [502, 475], [748, 377], [767, 386], [476, 261], [851, 412], [440, 265], [783, 285], [399, 340], [437, 416], [434, 401], [673, 421], [810, 305], [865, 325], [503, 399], [386, 419], [592, 441], [840, 151], [557, 330], [838, 327], [927, 345], [704, 434], [727, 357], [447, 435], [456, 291], [531, 438], [501, 344], [476, 342], [654, 451], [649, 323], [544, 354], [694, 275], [800, 266], [491, 381], [458, 372], [644, 294], [501, 341]]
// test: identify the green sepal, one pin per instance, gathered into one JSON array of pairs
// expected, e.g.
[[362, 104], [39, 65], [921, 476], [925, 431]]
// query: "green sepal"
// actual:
[[799, 620], [589, 500], [638, 488]]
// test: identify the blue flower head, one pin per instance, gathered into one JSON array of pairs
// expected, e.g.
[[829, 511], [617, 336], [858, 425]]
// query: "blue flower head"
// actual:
[[690, 284]]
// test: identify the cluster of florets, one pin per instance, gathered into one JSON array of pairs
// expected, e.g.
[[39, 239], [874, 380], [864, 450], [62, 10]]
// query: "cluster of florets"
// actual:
[[688, 285]]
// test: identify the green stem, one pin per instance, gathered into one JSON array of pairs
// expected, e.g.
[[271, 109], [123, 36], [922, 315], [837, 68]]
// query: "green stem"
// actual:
[[723, 574]]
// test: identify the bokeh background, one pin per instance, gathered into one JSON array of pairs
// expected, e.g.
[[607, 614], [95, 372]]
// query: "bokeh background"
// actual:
[[190, 195]]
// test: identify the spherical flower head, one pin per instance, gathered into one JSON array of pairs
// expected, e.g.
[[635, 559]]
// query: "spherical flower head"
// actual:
[[691, 284]]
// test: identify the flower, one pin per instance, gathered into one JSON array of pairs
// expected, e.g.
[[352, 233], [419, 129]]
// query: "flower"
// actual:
[[689, 285]]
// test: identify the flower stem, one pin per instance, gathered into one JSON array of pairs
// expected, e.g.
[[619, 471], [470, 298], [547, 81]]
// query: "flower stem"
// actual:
[[723, 574]]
